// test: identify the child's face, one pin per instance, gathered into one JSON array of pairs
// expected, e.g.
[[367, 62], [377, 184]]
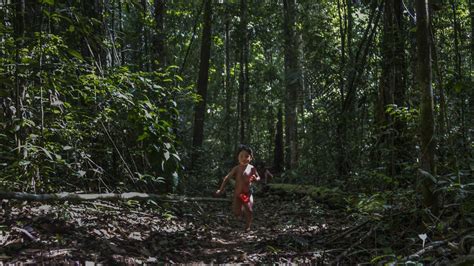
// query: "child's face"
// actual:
[[244, 158]]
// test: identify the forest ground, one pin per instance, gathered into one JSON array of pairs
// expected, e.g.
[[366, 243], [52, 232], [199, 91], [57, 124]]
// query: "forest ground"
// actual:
[[285, 230]]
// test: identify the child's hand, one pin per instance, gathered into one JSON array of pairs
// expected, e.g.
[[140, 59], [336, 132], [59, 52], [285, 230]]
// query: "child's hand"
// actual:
[[218, 192], [254, 178]]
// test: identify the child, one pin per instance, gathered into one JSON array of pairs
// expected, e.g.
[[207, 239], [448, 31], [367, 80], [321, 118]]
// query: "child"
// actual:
[[244, 174]]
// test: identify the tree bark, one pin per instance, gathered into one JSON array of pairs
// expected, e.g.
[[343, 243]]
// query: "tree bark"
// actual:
[[471, 13], [120, 18], [456, 33], [145, 52], [345, 119], [160, 36], [91, 46], [427, 125], [292, 82], [19, 34], [392, 87], [228, 90], [342, 65], [278, 158], [200, 108], [242, 96], [441, 125]]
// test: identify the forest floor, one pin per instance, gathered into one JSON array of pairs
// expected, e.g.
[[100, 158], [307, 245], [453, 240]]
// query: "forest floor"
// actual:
[[285, 230]]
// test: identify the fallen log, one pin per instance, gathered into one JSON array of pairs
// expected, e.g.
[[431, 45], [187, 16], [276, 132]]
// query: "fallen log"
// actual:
[[65, 196]]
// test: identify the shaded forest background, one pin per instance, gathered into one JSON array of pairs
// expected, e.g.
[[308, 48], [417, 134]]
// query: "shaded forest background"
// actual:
[[373, 98]]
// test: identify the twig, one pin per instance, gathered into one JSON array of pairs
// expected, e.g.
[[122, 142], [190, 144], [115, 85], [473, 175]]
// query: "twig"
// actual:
[[343, 254], [422, 251], [121, 157], [436, 244], [25, 232], [350, 230]]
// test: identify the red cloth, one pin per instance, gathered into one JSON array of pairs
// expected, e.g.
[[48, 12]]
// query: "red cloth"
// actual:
[[245, 197]]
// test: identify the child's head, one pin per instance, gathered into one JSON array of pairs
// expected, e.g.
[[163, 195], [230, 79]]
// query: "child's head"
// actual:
[[244, 154]]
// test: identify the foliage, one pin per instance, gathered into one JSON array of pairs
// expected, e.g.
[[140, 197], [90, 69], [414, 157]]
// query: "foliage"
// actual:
[[86, 130]]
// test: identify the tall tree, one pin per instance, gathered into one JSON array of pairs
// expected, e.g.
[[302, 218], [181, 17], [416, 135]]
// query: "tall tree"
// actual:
[[292, 81], [456, 37], [145, 32], [200, 108], [278, 157], [228, 86], [91, 45], [160, 36], [392, 83], [19, 34], [242, 101], [427, 125], [441, 121], [349, 93], [471, 13]]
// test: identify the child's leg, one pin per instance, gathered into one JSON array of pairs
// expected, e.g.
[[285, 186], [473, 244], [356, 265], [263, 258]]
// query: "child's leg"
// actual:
[[237, 207], [248, 210]]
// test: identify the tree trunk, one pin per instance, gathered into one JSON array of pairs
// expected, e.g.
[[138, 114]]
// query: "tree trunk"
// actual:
[[19, 34], [342, 65], [349, 26], [159, 59], [113, 53], [471, 13], [122, 48], [248, 128], [392, 85], [228, 119], [342, 71], [346, 118], [242, 97], [91, 46], [427, 125], [456, 33], [271, 133], [145, 52], [442, 129], [292, 82], [200, 108], [278, 158]]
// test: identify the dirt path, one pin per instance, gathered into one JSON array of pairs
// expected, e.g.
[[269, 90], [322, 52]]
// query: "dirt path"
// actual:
[[102, 232]]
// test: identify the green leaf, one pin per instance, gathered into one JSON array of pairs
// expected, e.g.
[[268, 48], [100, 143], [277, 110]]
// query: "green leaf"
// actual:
[[75, 53], [24, 163], [458, 87], [427, 175], [143, 136], [48, 2], [176, 156], [47, 153]]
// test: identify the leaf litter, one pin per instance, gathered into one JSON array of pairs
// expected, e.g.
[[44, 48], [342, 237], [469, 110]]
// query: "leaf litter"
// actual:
[[284, 230]]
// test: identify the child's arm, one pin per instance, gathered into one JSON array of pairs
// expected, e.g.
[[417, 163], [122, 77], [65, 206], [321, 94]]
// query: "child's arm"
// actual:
[[224, 182], [255, 176]]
